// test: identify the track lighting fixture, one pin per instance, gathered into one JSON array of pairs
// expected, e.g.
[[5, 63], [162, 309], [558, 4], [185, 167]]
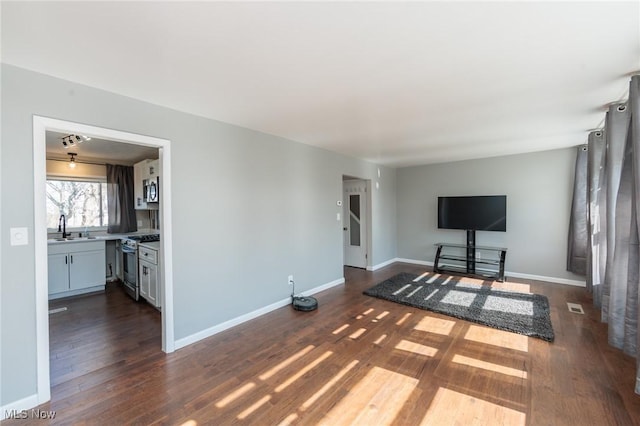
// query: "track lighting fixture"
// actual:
[[72, 161], [71, 140]]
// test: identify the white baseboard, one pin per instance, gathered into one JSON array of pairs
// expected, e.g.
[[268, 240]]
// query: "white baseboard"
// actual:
[[413, 261], [381, 265], [17, 406], [555, 280], [185, 341]]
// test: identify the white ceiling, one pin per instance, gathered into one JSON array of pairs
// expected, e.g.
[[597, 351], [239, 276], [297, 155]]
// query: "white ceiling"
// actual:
[[395, 83]]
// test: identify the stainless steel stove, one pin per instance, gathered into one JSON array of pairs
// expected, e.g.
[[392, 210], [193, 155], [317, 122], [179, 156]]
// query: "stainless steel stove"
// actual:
[[129, 248]]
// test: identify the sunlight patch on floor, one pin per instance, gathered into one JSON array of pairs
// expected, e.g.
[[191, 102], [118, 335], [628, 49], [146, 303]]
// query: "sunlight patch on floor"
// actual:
[[414, 291], [476, 363], [403, 319], [431, 294], [340, 329], [470, 280], [235, 395], [401, 289], [303, 371], [380, 339], [420, 277], [309, 402], [190, 423], [286, 362], [433, 278], [453, 408], [416, 348], [431, 324], [510, 286], [288, 420], [382, 315], [358, 333], [503, 339], [375, 400], [259, 403]]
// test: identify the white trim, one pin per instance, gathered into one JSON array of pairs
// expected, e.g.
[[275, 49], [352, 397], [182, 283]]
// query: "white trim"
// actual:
[[40, 126], [166, 251], [567, 281], [555, 280], [415, 262], [43, 389], [381, 265], [185, 341], [19, 405], [94, 289]]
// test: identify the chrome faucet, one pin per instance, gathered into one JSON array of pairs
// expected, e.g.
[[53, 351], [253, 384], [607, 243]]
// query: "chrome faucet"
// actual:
[[62, 226]]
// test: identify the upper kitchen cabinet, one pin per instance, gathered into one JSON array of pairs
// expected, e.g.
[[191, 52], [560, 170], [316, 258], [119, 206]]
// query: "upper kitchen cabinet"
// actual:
[[146, 184]]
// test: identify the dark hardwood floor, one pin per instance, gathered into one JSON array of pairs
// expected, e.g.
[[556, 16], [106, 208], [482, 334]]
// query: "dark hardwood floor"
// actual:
[[355, 360]]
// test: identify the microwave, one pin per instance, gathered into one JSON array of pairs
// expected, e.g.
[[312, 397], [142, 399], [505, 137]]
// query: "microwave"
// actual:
[[151, 190]]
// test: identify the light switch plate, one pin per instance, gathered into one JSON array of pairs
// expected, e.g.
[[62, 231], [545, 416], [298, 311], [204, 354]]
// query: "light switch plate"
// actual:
[[19, 236]]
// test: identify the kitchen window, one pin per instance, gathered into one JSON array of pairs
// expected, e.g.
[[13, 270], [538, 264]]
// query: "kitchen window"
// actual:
[[83, 202]]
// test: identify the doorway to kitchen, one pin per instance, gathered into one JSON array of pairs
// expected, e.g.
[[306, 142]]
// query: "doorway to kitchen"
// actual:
[[356, 222], [42, 125]]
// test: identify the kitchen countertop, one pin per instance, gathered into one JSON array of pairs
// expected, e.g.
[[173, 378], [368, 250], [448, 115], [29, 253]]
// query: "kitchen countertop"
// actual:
[[99, 237]]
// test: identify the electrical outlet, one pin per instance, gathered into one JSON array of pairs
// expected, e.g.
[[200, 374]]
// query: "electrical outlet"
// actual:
[[290, 280]]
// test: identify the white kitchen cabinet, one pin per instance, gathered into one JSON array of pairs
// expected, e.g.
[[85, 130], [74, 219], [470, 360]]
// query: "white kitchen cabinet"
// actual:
[[153, 168], [148, 275], [76, 267], [143, 170], [58, 273], [140, 173]]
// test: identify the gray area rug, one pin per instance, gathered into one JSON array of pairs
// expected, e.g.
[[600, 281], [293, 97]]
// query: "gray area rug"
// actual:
[[520, 313]]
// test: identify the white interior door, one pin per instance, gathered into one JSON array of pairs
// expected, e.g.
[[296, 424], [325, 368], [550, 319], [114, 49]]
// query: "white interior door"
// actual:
[[354, 223]]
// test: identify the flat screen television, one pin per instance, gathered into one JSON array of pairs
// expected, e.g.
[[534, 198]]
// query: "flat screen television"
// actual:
[[475, 213]]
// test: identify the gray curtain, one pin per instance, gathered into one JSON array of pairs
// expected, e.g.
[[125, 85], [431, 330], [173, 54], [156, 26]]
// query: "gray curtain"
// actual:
[[577, 247], [596, 255], [613, 193], [616, 127], [120, 200], [633, 282]]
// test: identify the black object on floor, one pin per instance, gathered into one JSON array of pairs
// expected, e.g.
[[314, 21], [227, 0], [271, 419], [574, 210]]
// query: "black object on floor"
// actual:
[[521, 313], [304, 303]]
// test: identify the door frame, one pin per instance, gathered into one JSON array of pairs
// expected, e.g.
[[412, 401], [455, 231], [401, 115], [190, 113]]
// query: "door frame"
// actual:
[[40, 126], [369, 216]]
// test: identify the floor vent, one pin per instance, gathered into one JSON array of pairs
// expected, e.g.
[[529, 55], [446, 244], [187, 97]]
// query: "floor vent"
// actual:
[[575, 308], [55, 311]]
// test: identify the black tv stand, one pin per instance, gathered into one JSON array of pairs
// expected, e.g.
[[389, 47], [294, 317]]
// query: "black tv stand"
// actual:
[[467, 259]]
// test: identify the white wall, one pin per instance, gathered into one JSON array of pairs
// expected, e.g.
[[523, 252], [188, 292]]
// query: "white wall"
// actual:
[[249, 210], [538, 187]]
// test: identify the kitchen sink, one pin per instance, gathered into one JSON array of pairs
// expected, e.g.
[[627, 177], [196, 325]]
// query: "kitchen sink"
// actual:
[[75, 238]]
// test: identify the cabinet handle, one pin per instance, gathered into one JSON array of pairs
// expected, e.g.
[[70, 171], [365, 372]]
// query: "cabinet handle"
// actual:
[[66, 262], [71, 258]]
